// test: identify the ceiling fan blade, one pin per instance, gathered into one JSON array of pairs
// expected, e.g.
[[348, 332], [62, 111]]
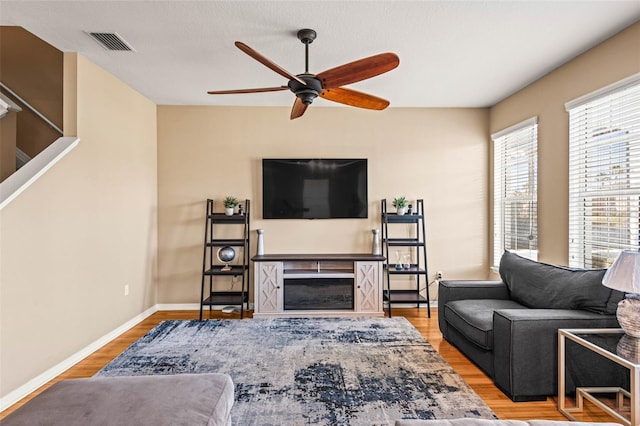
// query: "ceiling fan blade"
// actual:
[[358, 70], [262, 89], [268, 63], [298, 109], [354, 98]]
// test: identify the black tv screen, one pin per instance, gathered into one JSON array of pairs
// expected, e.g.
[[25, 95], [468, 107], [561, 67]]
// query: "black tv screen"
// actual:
[[314, 188]]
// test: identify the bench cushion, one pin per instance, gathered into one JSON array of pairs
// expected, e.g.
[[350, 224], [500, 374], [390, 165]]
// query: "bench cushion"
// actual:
[[474, 318], [184, 399]]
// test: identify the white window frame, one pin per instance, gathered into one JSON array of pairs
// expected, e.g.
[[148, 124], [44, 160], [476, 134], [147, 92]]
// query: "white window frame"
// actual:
[[515, 186], [604, 173]]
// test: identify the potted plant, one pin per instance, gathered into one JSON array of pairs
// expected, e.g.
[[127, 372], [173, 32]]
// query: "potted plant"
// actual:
[[230, 204], [400, 204]]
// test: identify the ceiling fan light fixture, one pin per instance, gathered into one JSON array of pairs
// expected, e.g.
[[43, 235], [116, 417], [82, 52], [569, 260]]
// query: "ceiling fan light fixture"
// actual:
[[307, 96]]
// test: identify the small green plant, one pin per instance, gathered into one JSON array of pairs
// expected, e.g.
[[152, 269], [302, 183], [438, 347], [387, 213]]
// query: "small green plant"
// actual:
[[230, 202], [400, 202]]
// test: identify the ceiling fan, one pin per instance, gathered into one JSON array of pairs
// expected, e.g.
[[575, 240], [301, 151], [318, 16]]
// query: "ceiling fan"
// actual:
[[328, 84]]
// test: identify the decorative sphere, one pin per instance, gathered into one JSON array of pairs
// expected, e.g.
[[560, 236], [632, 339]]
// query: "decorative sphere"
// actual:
[[226, 254]]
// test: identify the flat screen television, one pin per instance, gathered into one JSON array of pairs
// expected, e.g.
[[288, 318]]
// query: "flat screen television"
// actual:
[[320, 188]]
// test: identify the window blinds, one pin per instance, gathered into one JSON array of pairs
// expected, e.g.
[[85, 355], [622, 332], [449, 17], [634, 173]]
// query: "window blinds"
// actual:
[[515, 196], [604, 174]]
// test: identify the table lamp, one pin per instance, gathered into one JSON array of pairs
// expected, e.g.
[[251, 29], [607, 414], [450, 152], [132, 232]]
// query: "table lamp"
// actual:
[[624, 275]]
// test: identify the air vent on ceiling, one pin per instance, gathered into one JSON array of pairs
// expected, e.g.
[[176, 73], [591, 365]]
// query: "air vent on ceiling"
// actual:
[[111, 41]]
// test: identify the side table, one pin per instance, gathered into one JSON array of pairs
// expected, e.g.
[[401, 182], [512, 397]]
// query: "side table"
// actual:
[[625, 353]]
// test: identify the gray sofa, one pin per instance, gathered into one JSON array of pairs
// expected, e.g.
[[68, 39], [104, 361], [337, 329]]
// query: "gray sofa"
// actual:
[[509, 327]]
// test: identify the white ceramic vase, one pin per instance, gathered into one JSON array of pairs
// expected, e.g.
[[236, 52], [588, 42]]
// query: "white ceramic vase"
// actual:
[[229, 211], [376, 242], [400, 211], [260, 250]]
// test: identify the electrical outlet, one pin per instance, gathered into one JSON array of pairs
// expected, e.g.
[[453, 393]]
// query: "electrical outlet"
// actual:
[[126, 289], [439, 275]]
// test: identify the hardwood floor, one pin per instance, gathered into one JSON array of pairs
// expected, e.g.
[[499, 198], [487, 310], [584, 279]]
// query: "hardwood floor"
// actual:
[[428, 327]]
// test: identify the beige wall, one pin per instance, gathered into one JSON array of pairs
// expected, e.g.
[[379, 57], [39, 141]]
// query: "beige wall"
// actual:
[[613, 60], [86, 228], [440, 155], [8, 127]]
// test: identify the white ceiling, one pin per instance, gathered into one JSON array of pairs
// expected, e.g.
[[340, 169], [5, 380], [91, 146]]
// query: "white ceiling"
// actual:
[[452, 53]]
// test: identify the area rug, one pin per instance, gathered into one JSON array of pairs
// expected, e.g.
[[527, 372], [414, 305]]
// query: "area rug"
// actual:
[[329, 371]]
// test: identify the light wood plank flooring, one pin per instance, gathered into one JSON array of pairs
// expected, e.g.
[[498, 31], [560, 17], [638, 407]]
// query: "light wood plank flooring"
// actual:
[[428, 327]]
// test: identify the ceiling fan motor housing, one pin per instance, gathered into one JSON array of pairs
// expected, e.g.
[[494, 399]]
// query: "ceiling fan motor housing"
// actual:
[[306, 93]]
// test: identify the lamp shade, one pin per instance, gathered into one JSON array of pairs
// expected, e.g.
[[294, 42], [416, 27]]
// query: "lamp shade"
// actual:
[[624, 274]]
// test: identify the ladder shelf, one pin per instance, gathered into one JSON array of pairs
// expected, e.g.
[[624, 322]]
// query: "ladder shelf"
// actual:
[[213, 266], [417, 250]]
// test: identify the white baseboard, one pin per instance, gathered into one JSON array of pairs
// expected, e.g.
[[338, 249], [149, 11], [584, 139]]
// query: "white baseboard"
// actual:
[[33, 384]]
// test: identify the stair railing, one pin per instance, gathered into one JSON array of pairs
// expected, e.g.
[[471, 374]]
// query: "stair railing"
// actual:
[[33, 109]]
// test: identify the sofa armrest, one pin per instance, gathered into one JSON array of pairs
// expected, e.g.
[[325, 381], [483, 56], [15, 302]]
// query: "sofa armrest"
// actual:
[[525, 346], [450, 290], [472, 289]]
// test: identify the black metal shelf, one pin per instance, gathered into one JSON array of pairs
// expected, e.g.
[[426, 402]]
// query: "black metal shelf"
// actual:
[[403, 242], [223, 218], [403, 296], [418, 249], [233, 270], [213, 267], [412, 270], [405, 218], [227, 242], [226, 298]]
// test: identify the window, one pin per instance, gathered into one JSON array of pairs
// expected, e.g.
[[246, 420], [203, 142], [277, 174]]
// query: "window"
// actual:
[[515, 194], [604, 174]]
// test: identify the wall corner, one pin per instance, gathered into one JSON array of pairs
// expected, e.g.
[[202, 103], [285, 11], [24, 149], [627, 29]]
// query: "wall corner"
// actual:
[[70, 94]]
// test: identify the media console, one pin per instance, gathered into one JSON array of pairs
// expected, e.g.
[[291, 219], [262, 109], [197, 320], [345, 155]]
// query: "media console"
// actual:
[[318, 285]]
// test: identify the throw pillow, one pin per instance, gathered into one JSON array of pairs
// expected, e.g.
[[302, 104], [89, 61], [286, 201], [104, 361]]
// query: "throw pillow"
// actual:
[[542, 286]]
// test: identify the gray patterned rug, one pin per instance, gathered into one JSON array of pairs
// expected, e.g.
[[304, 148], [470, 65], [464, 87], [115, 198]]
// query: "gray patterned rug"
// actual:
[[329, 371]]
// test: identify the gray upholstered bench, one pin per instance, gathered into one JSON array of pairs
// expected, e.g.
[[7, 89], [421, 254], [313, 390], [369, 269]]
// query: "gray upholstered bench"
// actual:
[[183, 399]]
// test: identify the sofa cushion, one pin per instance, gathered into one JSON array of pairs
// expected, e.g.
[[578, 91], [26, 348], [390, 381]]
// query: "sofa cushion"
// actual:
[[543, 286], [474, 318], [182, 399]]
